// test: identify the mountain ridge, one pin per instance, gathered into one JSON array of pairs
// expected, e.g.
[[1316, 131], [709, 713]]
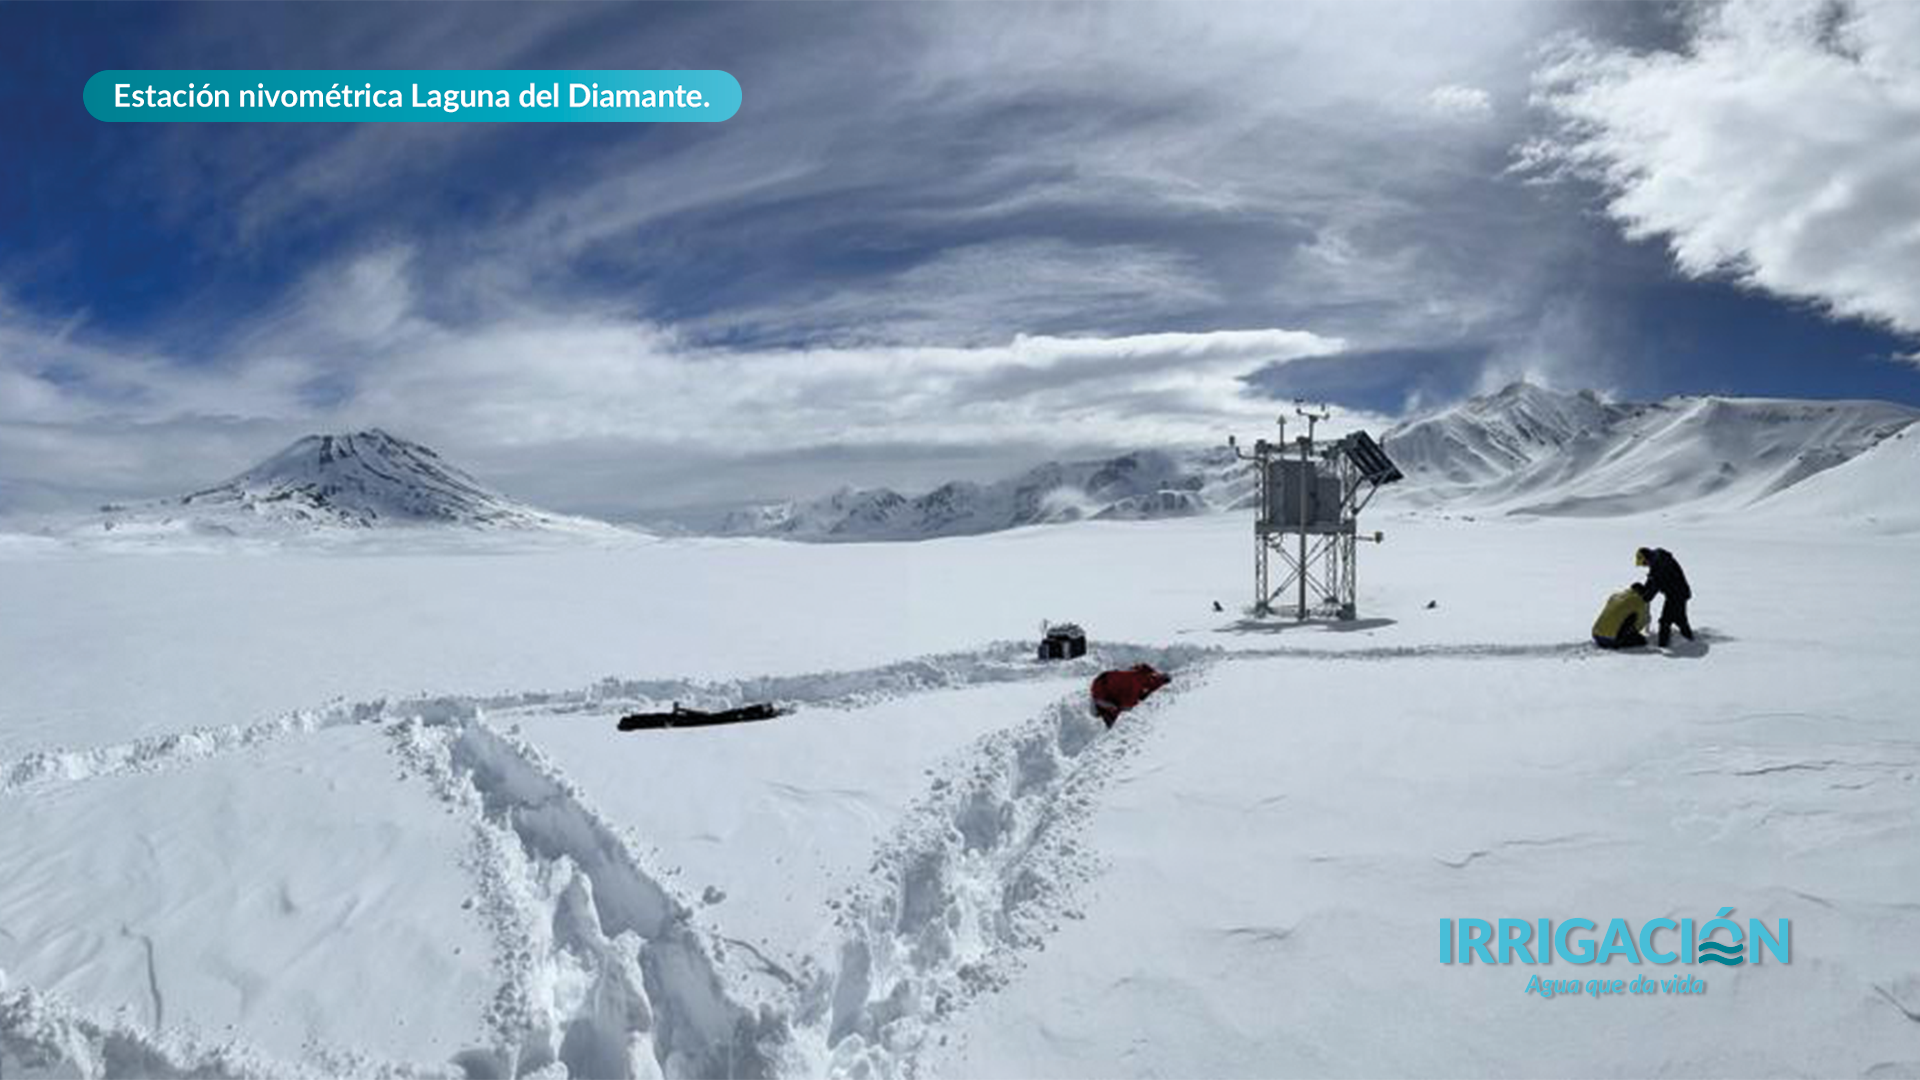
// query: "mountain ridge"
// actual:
[[1574, 454], [1135, 485], [1523, 449]]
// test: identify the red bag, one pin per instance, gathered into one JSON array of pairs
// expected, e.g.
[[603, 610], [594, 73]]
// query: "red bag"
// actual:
[[1114, 692]]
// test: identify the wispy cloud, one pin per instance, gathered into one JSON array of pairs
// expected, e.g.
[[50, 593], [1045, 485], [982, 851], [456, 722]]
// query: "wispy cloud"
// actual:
[[350, 348], [1007, 228], [985, 170]]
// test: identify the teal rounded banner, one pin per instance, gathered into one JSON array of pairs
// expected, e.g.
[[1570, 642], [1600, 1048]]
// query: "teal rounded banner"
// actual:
[[227, 97]]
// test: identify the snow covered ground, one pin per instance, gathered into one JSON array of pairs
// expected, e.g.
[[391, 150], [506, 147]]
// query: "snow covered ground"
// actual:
[[365, 811], [214, 892]]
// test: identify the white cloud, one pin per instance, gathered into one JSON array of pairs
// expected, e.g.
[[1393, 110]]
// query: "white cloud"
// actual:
[[587, 377], [77, 414], [50, 374], [964, 292], [1094, 147], [1455, 102], [1781, 147], [1101, 169]]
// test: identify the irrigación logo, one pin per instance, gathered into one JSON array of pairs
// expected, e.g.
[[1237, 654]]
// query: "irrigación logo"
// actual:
[[1657, 941]]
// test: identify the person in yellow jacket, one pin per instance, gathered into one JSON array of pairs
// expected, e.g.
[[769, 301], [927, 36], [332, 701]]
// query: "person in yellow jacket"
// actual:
[[1623, 622]]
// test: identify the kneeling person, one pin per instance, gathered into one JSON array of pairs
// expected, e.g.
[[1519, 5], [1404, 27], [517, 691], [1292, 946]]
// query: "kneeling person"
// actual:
[[1114, 692], [1623, 622]]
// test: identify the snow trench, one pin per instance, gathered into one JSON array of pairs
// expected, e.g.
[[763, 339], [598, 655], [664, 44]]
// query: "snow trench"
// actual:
[[43, 1036], [981, 871], [1002, 662], [603, 971]]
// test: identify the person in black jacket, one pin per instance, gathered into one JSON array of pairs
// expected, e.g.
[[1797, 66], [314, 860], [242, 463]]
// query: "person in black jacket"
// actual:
[[1665, 578]]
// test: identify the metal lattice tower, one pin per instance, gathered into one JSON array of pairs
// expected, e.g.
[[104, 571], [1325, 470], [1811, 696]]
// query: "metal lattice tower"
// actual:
[[1311, 495]]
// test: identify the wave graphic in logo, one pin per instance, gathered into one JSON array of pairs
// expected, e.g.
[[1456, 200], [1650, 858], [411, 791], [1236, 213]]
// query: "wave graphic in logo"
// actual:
[[1730, 955]]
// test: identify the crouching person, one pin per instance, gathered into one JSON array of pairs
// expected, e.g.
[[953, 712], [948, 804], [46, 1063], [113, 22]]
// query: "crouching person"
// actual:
[[1623, 622], [1114, 692]]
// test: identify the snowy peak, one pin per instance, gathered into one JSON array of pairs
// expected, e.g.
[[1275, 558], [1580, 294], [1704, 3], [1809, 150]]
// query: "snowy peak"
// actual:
[[340, 482], [1485, 438], [1531, 450], [363, 479]]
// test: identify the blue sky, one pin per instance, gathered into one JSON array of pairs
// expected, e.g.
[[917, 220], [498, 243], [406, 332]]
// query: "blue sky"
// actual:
[[939, 239]]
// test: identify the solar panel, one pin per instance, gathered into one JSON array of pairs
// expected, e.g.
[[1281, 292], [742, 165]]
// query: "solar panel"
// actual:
[[1374, 465]]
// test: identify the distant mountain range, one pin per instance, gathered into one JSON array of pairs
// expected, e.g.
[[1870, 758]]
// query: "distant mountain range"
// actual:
[[359, 481], [1143, 484], [1522, 450]]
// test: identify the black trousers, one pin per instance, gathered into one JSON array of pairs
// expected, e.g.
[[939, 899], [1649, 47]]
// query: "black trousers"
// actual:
[[1674, 613]]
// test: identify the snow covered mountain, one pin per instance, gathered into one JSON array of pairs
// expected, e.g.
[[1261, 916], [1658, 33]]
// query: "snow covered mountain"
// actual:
[[1528, 450], [1139, 485], [1522, 450], [1874, 490], [364, 480], [1488, 438]]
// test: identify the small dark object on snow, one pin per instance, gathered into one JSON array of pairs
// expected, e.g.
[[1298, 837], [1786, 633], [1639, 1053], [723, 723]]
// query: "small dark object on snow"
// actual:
[[681, 717], [1217, 607], [1431, 604], [1063, 642], [1114, 692]]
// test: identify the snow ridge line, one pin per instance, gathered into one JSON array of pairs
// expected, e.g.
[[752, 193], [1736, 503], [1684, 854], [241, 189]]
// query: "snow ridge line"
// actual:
[[1571, 650], [997, 662], [602, 971], [43, 1035], [979, 873], [42, 769], [1000, 662]]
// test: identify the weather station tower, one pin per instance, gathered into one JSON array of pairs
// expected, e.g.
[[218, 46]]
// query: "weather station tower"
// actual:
[[1307, 517]]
